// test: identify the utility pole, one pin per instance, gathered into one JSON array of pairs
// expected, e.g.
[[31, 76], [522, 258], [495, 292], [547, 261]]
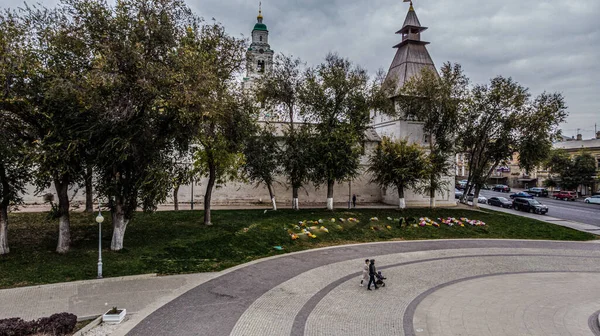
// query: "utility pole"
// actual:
[[192, 196]]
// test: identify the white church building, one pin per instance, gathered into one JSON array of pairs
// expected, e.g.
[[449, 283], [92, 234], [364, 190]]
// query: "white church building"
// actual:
[[411, 56]]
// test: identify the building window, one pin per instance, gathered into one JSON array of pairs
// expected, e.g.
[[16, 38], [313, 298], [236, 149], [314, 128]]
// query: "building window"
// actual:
[[260, 38], [261, 66]]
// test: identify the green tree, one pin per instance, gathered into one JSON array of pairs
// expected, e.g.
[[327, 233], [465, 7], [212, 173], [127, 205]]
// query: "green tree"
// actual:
[[50, 104], [501, 120], [572, 172], [397, 164], [437, 101], [134, 72], [560, 167], [489, 128], [59, 117], [539, 129], [15, 135], [261, 159], [584, 169], [181, 172], [225, 114], [15, 170], [279, 91], [297, 157], [337, 97]]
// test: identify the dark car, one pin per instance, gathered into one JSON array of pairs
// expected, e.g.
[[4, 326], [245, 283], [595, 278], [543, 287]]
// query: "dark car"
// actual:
[[520, 195], [538, 192], [499, 201], [529, 205], [457, 193], [501, 188]]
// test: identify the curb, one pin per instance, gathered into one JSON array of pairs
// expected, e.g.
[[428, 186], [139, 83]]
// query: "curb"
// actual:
[[89, 326], [90, 281]]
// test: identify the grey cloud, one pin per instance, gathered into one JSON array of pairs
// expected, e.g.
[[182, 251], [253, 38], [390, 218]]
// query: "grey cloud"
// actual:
[[547, 45]]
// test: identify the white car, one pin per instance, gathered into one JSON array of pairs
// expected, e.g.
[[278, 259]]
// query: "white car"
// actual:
[[480, 199], [594, 199]]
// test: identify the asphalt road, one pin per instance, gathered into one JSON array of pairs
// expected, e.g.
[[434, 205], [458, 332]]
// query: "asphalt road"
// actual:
[[577, 211]]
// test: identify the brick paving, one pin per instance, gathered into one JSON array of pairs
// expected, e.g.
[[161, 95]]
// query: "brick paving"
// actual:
[[91, 298], [434, 288], [444, 287]]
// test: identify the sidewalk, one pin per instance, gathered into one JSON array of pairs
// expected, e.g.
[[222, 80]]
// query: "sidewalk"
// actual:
[[90, 298], [545, 218]]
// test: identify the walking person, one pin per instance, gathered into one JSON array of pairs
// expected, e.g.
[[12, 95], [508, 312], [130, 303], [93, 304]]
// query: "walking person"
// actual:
[[354, 200], [365, 273], [372, 272]]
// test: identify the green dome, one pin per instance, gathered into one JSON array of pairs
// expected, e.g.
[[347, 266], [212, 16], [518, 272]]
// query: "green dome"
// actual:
[[260, 26]]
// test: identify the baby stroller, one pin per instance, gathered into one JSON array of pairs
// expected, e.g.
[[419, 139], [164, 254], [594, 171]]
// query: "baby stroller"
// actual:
[[380, 278]]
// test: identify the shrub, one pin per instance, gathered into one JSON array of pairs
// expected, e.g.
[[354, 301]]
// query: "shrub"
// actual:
[[57, 324], [16, 327]]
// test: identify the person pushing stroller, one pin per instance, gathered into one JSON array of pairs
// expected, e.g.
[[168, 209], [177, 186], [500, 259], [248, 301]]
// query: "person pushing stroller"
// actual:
[[372, 275]]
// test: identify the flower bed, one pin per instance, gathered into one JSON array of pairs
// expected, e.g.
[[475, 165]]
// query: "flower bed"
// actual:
[[310, 228]]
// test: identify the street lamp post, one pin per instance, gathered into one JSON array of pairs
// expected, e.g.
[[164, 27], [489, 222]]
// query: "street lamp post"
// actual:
[[99, 220]]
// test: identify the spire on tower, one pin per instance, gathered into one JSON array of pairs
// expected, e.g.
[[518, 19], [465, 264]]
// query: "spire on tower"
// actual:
[[260, 17], [412, 55]]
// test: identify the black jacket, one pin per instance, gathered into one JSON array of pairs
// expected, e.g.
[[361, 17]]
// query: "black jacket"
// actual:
[[372, 269]]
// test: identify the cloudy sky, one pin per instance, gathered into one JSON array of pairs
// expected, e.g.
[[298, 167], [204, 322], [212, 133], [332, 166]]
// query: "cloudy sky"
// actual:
[[546, 45]]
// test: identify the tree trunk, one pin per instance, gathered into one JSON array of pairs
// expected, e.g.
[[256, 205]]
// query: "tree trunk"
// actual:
[[272, 196], [295, 203], [4, 228], [89, 196], [119, 225], [4, 211], [330, 194], [212, 176], [175, 198], [64, 224], [432, 198], [476, 198], [401, 200]]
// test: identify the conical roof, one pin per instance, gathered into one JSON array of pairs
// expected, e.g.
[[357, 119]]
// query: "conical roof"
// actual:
[[411, 21], [412, 55]]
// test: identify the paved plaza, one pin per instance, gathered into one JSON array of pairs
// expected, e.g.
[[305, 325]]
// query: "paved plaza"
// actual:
[[449, 287], [442, 287]]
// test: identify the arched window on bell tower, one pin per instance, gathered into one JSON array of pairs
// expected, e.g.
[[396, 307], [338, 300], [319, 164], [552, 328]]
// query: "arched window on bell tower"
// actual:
[[260, 38], [261, 66]]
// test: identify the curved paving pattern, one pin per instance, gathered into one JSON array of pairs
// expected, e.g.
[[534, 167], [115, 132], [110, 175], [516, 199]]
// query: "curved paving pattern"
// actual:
[[452, 287]]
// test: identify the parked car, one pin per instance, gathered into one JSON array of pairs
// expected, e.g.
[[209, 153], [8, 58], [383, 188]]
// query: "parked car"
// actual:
[[457, 193], [538, 192], [501, 188], [499, 201], [594, 199], [529, 205], [566, 195], [480, 199], [520, 194]]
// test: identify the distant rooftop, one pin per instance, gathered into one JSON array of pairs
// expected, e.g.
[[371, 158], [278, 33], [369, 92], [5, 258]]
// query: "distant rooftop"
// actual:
[[576, 144]]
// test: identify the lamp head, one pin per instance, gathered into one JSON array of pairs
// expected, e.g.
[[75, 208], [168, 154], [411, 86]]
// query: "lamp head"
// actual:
[[99, 218]]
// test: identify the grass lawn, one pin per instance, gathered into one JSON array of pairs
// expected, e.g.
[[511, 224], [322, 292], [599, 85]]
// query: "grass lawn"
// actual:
[[176, 242]]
